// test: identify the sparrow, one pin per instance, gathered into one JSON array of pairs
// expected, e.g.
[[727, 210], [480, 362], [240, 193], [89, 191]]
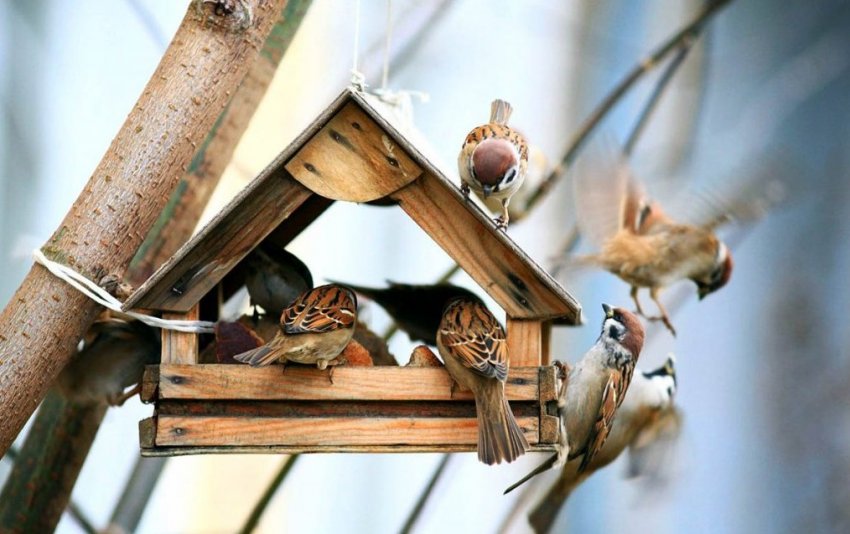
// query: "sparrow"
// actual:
[[274, 278], [595, 390], [313, 330], [472, 344], [112, 358], [493, 160], [645, 414], [638, 241], [538, 167], [416, 309]]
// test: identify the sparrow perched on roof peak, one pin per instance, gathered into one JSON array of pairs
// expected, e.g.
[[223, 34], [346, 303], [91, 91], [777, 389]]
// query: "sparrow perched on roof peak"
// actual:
[[493, 159], [416, 309], [313, 330], [638, 241], [275, 277], [642, 424], [472, 344], [595, 390]]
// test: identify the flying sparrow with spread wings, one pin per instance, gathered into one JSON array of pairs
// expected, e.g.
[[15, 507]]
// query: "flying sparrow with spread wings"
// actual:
[[640, 424], [313, 330], [638, 241], [493, 160], [472, 344], [416, 309], [274, 278], [595, 390]]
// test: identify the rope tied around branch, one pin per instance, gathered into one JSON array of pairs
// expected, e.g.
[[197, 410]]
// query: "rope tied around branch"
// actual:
[[102, 297]]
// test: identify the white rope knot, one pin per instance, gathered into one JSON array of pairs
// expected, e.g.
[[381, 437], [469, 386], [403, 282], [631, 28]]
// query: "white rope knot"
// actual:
[[358, 80], [102, 297]]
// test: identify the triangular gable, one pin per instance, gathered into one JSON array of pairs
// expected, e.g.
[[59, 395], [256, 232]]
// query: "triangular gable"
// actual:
[[353, 133]]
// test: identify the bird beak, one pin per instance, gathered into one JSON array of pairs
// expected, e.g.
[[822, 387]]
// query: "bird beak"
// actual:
[[702, 292], [609, 312], [487, 190]]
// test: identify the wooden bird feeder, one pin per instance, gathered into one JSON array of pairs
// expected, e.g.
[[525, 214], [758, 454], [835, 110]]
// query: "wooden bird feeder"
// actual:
[[356, 152]]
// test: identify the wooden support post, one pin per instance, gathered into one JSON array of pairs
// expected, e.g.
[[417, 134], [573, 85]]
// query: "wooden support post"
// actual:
[[525, 342], [180, 347]]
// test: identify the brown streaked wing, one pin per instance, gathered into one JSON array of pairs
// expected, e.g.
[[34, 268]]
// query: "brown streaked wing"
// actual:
[[612, 397], [324, 309], [477, 339]]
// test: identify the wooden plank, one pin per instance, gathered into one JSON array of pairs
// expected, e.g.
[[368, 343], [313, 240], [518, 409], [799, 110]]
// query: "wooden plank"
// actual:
[[159, 451], [217, 381], [549, 418], [147, 432], [515, 282], [329, 431], [332, 408], [547, 344], [180, 347], [150, 384], [206, 259], [525, 342], [352, 158]]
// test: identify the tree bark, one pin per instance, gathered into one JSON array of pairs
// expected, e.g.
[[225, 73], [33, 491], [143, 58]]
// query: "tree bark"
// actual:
[[180, 216], [33, 507], [206, 61]]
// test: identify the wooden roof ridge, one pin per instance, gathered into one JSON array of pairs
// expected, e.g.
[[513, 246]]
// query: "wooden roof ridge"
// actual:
[[181, 281]]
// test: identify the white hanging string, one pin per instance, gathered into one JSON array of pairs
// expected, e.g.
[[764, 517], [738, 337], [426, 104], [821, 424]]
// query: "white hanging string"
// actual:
[[102, 297], [358, 80], [401, 100], [387, 38]]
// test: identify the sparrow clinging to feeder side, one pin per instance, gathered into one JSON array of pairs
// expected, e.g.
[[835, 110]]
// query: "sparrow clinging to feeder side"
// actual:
[[638, 241], [473, 346], [595, 390], [113, 357], [313, 330], [493, 159], [647, 423]]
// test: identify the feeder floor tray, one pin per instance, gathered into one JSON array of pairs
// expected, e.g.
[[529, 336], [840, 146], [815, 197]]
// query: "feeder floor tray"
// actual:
[[213, 408]]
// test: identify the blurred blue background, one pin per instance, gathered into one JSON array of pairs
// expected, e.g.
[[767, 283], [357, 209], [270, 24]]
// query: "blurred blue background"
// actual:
[[764, 372]]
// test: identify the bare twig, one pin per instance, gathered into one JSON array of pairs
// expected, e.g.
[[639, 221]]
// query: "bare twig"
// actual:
[[655, 97], [265, 499], [689, 32], [426, 494], [137, 491]]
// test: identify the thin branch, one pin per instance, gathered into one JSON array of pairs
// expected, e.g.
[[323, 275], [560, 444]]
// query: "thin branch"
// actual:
[[655, 97], [689, 32], [136, 494], [265, 499], [426, 494]]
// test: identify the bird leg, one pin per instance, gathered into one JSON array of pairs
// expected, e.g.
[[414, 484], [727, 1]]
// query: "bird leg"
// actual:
[[653, 294], [634, 295], [464, 188], [502, 220], [120, 398], [339, 360]]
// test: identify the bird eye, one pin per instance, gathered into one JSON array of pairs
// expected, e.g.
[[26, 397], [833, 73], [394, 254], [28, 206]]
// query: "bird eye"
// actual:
[[511, 175]]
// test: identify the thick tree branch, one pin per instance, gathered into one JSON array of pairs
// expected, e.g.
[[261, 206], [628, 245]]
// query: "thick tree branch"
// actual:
[[181, 215], [205, 62]]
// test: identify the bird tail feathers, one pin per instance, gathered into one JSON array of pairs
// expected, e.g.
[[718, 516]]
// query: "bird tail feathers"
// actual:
[[500, 112], [499, 436], [258, 357]]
